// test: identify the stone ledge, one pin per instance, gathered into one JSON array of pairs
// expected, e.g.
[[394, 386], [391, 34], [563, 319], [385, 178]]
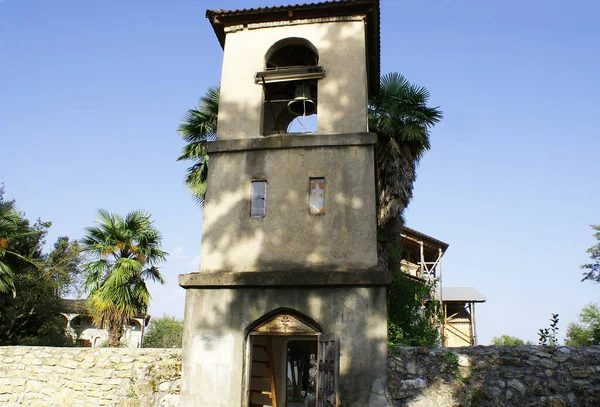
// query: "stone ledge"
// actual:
[[292, 141], [284, 279]]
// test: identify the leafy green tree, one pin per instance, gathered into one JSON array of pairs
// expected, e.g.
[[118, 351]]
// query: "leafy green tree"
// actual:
[[592, 270], [164, 332], [507, 340], [199, 127], [586, 331], [11, 227], [32, 316], [124, 254], [64, 266], [410, 316]]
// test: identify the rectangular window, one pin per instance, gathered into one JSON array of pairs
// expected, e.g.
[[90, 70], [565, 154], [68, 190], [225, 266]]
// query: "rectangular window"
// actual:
[[316, 199], [259, 194]]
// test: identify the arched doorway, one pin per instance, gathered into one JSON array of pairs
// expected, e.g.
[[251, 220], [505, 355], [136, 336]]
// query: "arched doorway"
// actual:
[[290, 362]]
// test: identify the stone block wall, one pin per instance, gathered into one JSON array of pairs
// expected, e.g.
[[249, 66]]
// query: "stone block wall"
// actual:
[[417, 377], [36, 376], [491, 376]]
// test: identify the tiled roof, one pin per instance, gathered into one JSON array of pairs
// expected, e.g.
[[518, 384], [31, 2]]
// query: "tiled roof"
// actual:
[[221, 18], [294, 7], [69, 306]]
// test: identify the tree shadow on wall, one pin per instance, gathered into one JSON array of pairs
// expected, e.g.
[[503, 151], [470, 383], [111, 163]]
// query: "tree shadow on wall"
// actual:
[[289, 238]]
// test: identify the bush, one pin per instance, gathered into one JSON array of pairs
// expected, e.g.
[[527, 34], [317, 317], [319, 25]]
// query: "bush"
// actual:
[[164, 332], [507, 340]]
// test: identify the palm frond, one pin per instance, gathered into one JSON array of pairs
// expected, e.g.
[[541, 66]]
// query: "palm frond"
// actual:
[[194, 151], [198, 127], [401, 118], [116, 283], [7, 278], [153, 274]]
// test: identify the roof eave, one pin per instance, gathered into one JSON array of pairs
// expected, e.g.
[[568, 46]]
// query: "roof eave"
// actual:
[[431, 241], [370, 8]]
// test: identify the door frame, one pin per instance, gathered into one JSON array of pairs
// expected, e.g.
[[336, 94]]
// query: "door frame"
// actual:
[[250, 331]]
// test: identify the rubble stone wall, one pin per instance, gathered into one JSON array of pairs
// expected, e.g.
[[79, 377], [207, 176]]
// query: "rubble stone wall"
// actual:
[[417, 377], [491, 376], [37, 376]]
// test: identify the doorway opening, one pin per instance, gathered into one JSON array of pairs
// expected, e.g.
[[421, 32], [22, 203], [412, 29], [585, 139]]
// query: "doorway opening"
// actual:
[[286, 361], [283, 371], [301, 381]]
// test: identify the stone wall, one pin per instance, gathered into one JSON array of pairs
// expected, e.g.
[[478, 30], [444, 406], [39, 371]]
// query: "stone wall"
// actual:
[[491, 376], [35, 376], [417, 377]]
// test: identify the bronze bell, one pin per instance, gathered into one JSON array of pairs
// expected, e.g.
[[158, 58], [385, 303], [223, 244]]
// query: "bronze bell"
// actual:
[[302, 105]]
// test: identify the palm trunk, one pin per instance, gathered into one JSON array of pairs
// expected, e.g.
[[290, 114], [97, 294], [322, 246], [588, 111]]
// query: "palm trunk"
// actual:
[[115, 331], [395, 177]]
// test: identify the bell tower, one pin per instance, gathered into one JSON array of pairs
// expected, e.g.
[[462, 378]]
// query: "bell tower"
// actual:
[[288, 289]]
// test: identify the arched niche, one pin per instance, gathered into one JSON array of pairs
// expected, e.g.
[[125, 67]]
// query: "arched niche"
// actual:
[[297, 60]]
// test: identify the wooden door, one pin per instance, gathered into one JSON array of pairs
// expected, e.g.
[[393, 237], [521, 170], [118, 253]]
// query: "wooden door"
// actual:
[[328, 371]]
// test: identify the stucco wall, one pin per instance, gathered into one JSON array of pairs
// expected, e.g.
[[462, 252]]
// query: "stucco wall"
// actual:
[[342, 94], [86, 330], [214, 337], [289, 237], [36, 376]]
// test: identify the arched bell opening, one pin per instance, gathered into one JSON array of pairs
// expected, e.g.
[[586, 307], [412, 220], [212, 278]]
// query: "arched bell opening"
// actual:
[[292, 51], [281, 359], [290, 85]]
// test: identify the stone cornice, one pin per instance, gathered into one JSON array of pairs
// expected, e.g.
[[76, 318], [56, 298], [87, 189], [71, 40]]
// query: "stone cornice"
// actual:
[[292, 141], [294, 278]]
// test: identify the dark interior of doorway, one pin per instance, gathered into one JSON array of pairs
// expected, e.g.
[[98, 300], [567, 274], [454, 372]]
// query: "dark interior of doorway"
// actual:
[[301, 373], [283, 371]]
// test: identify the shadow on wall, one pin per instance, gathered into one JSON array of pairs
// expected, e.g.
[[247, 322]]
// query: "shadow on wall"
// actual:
[[289, 238]]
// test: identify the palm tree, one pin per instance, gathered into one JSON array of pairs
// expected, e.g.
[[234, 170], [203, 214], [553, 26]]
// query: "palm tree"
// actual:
[[125, 252], [198, 127], [11, 227], [10, 220], [401, 118]]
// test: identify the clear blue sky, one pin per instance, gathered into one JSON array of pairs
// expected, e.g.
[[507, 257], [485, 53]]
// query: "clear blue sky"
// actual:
[[91, 94]]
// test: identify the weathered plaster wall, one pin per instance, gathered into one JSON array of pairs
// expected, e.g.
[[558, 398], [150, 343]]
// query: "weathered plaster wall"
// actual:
[[36, 376], [342, 94], [289, 237], [214, 337], [491, 376]]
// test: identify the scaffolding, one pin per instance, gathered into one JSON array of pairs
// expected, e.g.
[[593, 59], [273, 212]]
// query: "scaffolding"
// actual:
[[422, 258], [459, 316]]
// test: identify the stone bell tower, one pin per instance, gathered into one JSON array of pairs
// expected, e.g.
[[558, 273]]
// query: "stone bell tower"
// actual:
[[289, 308]]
